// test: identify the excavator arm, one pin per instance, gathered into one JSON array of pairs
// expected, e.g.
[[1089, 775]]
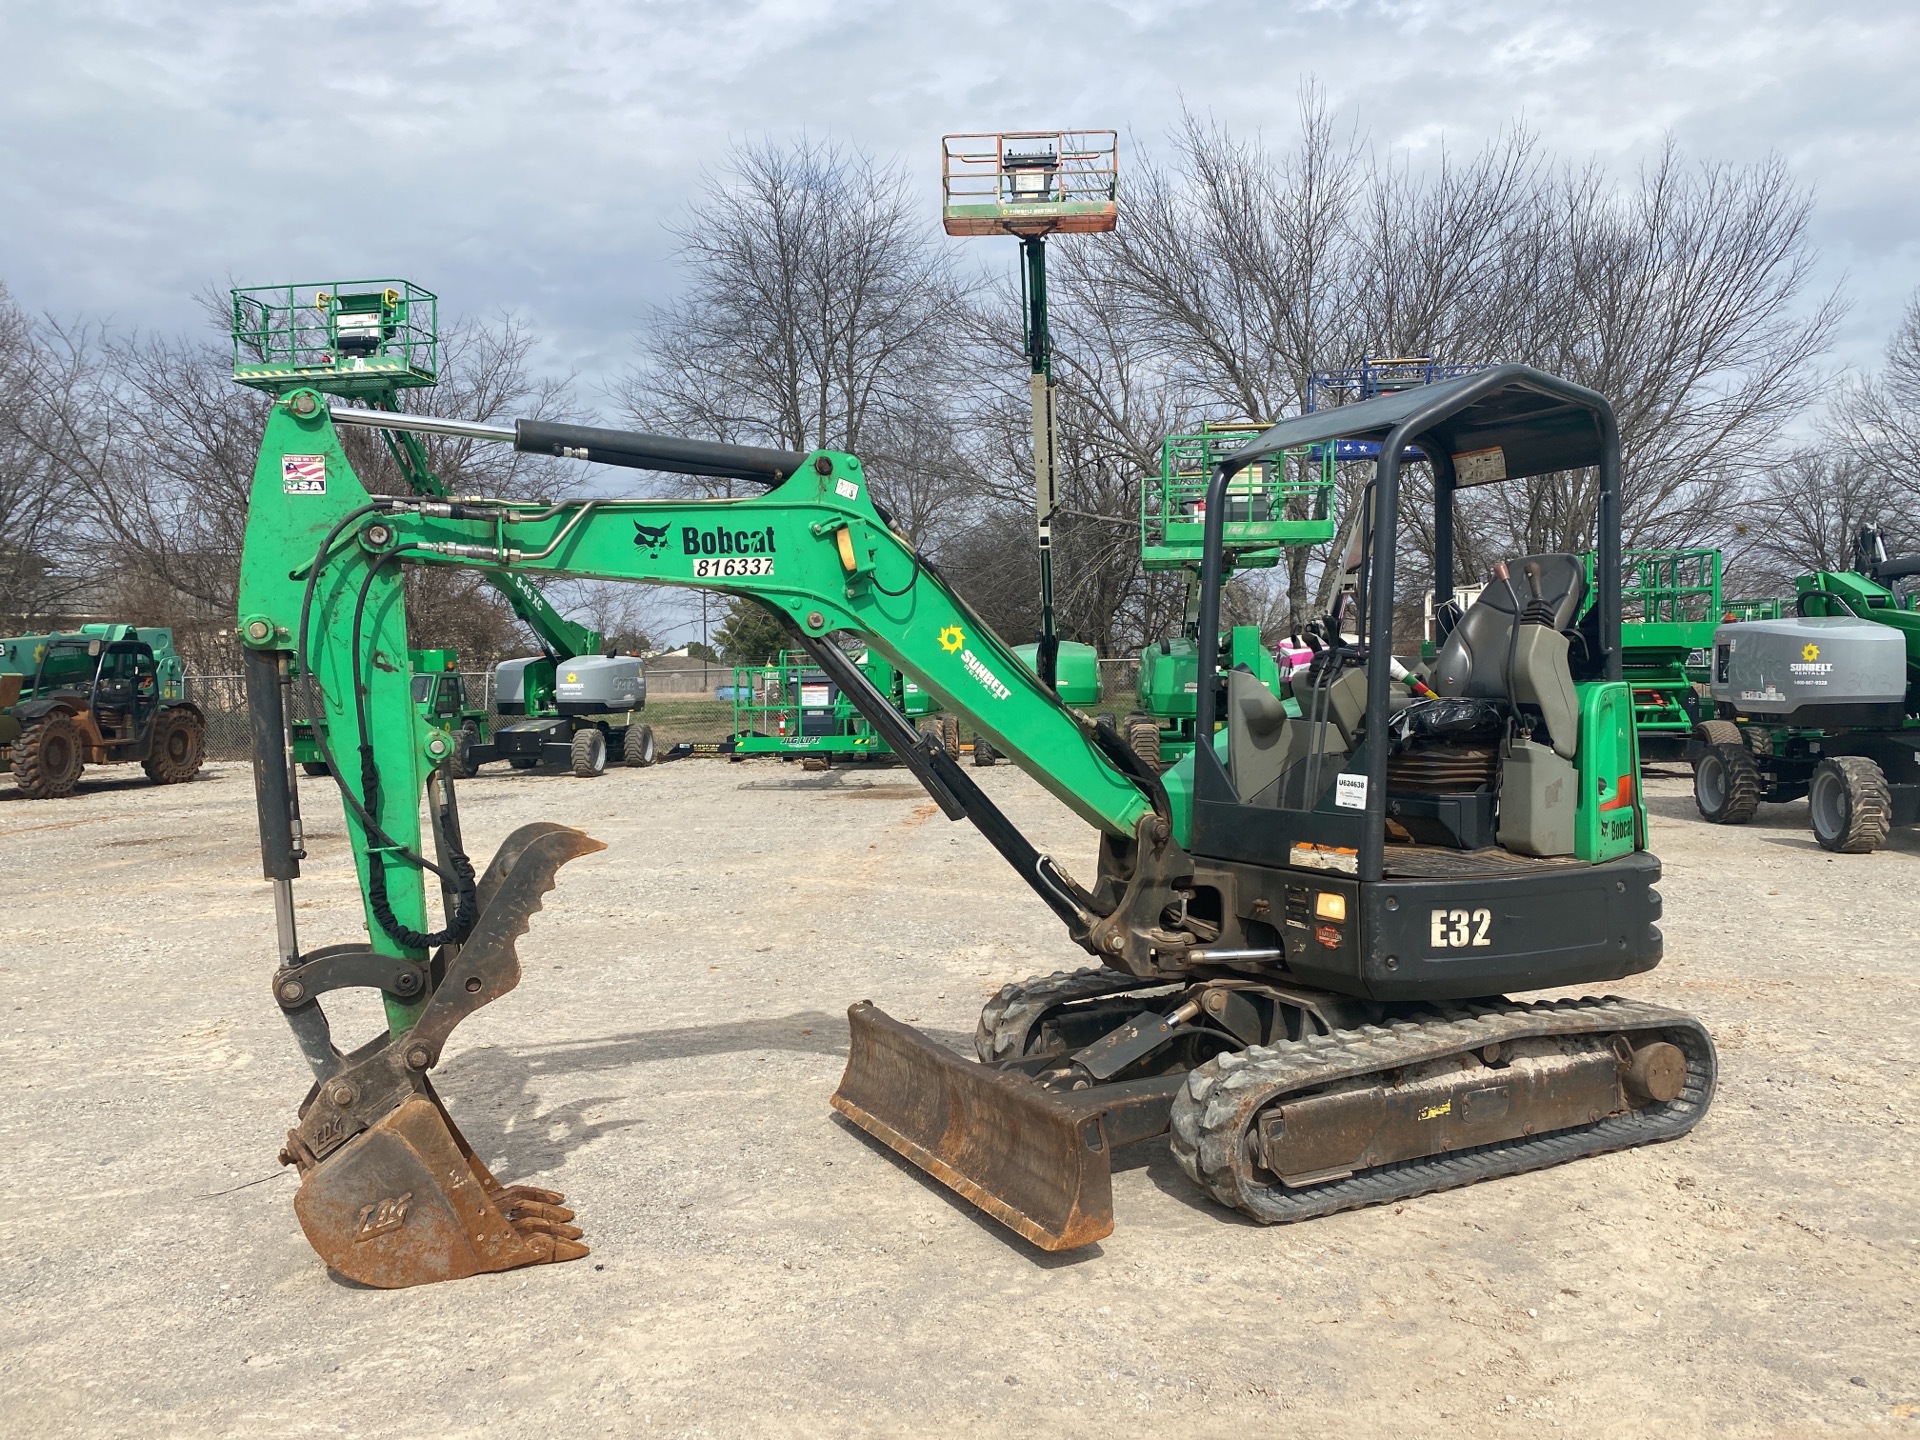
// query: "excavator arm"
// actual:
[[322, 607]]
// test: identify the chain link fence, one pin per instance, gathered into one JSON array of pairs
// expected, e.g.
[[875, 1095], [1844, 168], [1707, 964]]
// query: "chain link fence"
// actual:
[[693, 704], [676, 709]]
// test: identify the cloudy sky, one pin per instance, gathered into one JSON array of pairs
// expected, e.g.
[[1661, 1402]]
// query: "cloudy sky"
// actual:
[[525, 155]]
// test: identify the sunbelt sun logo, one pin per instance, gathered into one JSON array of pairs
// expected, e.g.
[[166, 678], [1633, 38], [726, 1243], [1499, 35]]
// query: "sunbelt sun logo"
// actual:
[[954, 638]]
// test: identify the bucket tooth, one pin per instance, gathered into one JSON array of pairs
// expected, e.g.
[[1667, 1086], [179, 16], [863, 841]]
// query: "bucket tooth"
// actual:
[[1037, 1162]]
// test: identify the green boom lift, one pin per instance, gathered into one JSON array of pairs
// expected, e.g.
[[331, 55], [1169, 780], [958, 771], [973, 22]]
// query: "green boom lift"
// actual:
[[1821, 702], [370, 340], [1311, 1001], [1277, 501]]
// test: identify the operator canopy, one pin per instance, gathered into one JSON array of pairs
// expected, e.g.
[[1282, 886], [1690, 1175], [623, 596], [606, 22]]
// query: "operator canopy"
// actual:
[[1503, 423]]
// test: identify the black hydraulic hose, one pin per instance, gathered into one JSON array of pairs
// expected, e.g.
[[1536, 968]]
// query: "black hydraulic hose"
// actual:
[[466, 903], [462, 869]]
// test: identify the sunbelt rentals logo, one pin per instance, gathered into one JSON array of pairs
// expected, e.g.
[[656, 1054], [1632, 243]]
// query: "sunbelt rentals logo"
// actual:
[[1810, 662], [954, 638]]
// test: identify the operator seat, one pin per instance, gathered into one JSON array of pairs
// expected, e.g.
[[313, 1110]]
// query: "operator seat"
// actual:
[[1492, 655]]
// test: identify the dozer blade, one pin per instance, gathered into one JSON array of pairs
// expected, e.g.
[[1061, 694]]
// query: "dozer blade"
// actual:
[[402, 1205], [391, 1194], [1036, 1161]]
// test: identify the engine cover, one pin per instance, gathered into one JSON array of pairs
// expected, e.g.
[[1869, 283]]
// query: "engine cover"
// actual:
[[1812, 671], [599, 684]]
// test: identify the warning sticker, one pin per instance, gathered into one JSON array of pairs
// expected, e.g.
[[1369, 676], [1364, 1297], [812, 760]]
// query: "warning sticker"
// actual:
[[303, 474], [1350, 792], [846, 489], [1480, 467]]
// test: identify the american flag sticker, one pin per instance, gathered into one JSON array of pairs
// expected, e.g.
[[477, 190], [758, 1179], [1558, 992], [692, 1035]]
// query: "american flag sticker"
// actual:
[[303, 474]]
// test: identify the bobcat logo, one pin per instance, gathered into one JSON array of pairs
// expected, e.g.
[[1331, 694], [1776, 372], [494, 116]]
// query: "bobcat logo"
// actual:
[[651, 538]]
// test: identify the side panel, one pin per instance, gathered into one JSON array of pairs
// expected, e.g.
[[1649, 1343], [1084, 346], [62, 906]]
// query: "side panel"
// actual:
[[1608, 822], [1563, 925]]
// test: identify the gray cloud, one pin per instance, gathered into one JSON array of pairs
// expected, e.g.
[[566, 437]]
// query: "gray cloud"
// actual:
[[525, 156]]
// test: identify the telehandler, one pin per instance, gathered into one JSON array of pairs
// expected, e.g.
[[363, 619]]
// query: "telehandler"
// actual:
[[1304, 933]]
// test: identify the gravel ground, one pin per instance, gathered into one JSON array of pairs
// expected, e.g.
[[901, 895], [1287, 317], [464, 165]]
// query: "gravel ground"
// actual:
[[761, 1268]]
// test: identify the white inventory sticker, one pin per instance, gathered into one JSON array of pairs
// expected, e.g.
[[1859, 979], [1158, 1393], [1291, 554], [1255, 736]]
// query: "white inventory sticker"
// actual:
[[303, 474], [1350, 792]]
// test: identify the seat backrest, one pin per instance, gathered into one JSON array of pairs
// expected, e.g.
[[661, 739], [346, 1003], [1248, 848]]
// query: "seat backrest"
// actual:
[[1257, 725], [1473, 660]]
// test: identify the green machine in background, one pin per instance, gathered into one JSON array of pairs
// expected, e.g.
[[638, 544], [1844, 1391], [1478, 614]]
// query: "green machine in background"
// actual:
[[60, 656], [99, 695], [1280, 500], [1820, 701], [440, 699], [1670, 605], [792, 707]]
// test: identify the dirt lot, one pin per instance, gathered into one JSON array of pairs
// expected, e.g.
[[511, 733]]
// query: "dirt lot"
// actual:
[[760, 1268]]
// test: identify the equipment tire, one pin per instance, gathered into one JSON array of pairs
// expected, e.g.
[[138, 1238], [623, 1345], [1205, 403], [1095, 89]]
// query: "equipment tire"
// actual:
[[464, 739], [178, 747], [636, 747], [590, 753], [521, 762], [983, 752], [1726, 786], [1143, 738], [47, 757], [316, 768], [929, 728], [1849, 805], [1718, 732], [950, 735]]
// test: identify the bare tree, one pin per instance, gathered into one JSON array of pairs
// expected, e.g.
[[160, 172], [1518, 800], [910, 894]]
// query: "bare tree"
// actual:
[[45, 416], [1876, 418], [819, 311], [1806, 512]]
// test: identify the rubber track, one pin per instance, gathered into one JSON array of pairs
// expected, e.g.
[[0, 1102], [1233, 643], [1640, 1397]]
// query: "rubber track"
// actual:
[[1011, 1015], [1217, 1105]]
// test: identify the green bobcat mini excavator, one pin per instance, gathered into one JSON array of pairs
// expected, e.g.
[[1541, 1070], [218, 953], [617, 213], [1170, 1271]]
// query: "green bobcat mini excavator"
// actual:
[[1304, 933]]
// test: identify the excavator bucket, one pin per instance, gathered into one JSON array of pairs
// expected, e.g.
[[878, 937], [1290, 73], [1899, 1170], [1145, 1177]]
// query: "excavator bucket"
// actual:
[[406, 1203], [391, 1194], [1036, 1161]]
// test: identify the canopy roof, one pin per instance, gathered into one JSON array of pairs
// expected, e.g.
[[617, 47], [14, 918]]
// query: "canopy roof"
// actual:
[[1498, 424]]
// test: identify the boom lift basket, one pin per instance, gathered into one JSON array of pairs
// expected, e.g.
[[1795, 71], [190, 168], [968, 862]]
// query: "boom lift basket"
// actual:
[[1030, 182], [1281, 500], [358, 338]]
